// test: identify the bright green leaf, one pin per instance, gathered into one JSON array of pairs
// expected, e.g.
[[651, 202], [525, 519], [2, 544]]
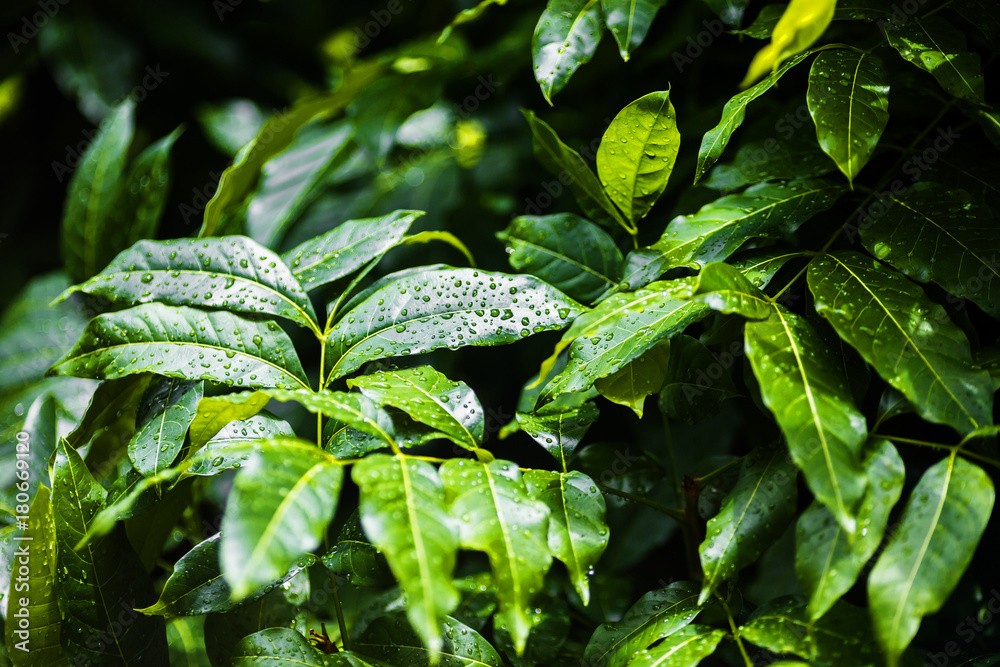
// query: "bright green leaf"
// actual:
[[803, 22], [167, 409], [633, 382]]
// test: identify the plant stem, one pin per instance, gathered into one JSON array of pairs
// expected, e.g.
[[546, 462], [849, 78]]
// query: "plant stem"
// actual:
[[954, 449], [669, 511], [340, 612], [736, 633], [705, 479]]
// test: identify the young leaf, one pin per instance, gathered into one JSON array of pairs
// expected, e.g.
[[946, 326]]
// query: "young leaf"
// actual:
[[167, 409], [753, 515], [347, 247], [827, 561], [629, 21], [144, 193], [496, 515], [196, 586], [95, 589], [280, 505], [214, 412], [566, 163], [577, 534], [733, 114], [560, 425], [685, 648], [718, 229], [39, 643], [390, 638], [233, 444], [848, 100], [403, 513], [637, 154], [566, 37], [936, 46], [929, 550], [803, 22], [633, 382], [566, 251], [658, 614], [92, 197], [446, 308], [430, 398], [359, 411], [184, 343], [905, 336], [934, 233], [231, 273]]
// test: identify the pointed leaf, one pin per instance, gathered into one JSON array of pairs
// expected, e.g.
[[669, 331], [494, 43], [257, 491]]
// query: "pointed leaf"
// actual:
[[929, 551], [390, 638], [637, 154], [656, 615], [566, 251], [230, 272], [559, 426], [905, 336], [764, 24], [796, 156], [827, 561], [803, 22], [94, 589], [685, 648], [848, 100], [347, 247], [933, 233], [278, 510], [166, 412], [403, 513], [733, 114], [566, 37], [496, 515], [446, 308], [277, 647], [430, 398], [718, 229], [636, 380], [93, 192], [936, 46], [234, 442], [357, 559], [563, 161], [629, 21], [359, 411], [144, 193], [184, 343], [578, 533], [754, 514]]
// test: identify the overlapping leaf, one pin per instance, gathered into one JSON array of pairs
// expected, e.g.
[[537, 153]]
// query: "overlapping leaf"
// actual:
[[629, 21], [937, 47], [631, 384], [390, 638], [802, 23], [143, 195], [685, 648], [566, 37], [560, 425], [771, 160], [696, 381], [167, 410]]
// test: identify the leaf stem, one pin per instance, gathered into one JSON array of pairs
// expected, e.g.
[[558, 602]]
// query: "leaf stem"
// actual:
[[954, 449], [678, 515], [736, 633], [340, 612], [705, 479]]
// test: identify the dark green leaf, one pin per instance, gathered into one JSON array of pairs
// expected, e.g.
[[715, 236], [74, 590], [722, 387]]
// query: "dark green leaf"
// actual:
[[560, 425], [936, 46], [276, 647], [166, 412], [629, 21], [763, 25], [928, 550], [184, 343], [144, 193], [566, 251], [696, 381], [566, 37], [770, 160], [390, 638], [356, 559], [685, 648]]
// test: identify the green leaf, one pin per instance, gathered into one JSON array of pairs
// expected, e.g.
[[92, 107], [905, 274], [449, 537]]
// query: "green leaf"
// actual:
[[281, 503], [848, 100], [446, 308], [144, 193], [92, 197], [578, 533], [753, 515], [430, 398], [234, 442], [730, 11], [934, 233], [196, 586], [771, 160], [718, 229], [96, 589], [685, 648], [633, 382], [733, 114], [629, 21], [214, 412], [184, 343], [403, 513], [186, 639], [696, 380], [231, 272], [803, 386], [496, 515], [936, 46], [390, 638], [637, 153], [566, 37], [566, 251], [560, 425], [764, 24], [803, 22], [827, 560], [359, 411], [347, 247], [276, 647], [39, 643], [658, 614], [550, 628], [929, 550], [905, 336], [167, 410], [564, 162], [110, 401], [357, 559]]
